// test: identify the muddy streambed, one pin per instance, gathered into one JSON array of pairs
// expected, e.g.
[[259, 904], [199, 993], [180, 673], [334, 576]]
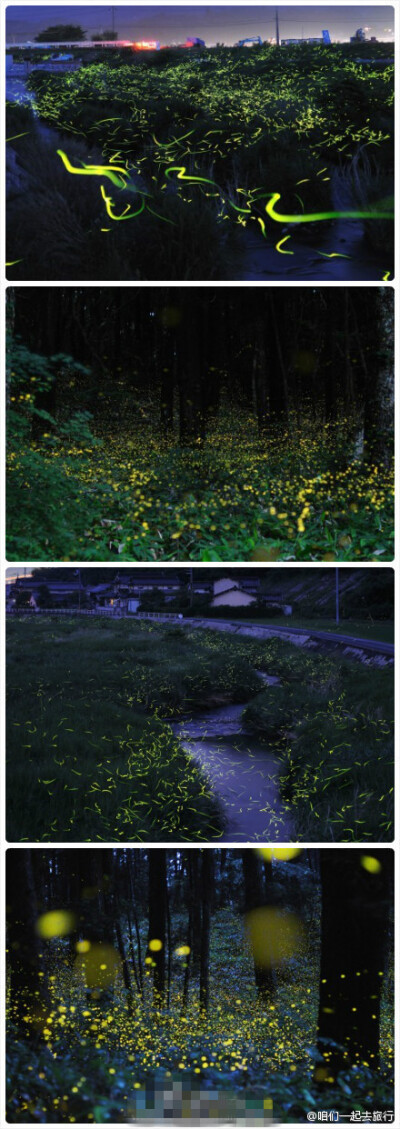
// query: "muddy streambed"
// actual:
[[243, 774]]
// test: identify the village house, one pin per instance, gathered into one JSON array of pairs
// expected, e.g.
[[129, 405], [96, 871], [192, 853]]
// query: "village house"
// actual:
[[230, 592], [124, 592]]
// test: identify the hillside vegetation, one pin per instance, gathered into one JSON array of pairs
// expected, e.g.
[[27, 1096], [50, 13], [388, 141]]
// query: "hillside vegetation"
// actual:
[[188, 150]]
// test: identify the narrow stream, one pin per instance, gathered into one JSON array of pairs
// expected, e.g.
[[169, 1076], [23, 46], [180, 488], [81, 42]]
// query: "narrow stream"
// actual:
[[262, 262], [243, 774]]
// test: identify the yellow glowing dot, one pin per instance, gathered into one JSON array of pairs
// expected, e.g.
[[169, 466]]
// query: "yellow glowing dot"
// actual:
[[283, 853], [55, 923], [155, 946], [274, 935], [371, 864], [182, 950], [82, 946]]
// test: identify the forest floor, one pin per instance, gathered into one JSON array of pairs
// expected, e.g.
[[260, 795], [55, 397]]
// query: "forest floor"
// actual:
[[297, 495], [92, 749], [92, 1060]]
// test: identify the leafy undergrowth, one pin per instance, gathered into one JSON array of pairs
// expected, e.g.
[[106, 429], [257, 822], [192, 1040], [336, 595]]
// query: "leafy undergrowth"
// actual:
[[297, 495], [92, 1060], [194, 144], [87, 748], [331, 721]]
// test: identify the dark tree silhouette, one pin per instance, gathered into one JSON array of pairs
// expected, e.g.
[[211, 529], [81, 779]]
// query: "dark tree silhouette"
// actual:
[[28, 986], [207, 869], [256, 895], [157, 919], [355, 907], [188, 352]]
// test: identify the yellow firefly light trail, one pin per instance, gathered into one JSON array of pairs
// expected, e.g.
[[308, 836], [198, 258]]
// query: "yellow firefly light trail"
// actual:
[[333, 255], [119, 177], [95, 170], [278, 246], [127, 214], [182, 175]]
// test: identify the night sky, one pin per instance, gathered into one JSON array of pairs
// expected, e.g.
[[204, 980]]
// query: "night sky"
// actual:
[[214, 23]]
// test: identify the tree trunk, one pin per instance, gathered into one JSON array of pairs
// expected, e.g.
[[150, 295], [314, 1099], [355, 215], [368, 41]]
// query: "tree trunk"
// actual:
[[355, 909], [157, 919], [28, 991], [206, 892], [379, 397], [276, 362], [254, 897]]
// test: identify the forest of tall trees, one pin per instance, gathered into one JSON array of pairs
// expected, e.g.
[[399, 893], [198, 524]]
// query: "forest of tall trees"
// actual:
[[200, 423], [263, 973], [322, 354]]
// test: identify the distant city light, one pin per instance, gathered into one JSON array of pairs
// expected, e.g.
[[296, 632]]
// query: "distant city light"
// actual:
[[146, 45]]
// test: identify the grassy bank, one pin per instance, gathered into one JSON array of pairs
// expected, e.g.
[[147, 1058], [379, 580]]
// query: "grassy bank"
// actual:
[[91, 755], [382, 631], [87, 750], [331, 721]]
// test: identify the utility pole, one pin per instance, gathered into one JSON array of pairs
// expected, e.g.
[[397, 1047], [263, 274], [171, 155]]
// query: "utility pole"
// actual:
[[113, 19], [277, 27], [78, 574], [337, 594]]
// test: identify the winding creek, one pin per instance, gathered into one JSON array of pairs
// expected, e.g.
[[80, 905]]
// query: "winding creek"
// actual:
[[243, 774]]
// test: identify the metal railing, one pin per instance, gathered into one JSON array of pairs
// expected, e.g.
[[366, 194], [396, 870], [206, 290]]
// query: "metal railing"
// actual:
[[65, 611], [159, 615]]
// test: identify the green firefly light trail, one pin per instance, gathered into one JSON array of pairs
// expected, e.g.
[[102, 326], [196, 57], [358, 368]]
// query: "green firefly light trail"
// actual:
[[314, 217]]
